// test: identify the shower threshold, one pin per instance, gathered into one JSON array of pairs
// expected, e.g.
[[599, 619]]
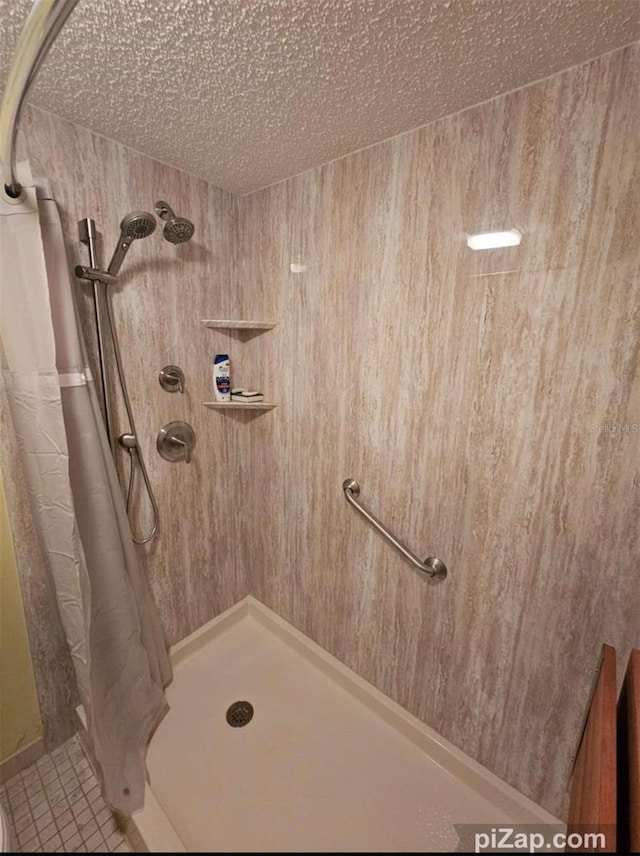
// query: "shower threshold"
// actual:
[[272, 744]]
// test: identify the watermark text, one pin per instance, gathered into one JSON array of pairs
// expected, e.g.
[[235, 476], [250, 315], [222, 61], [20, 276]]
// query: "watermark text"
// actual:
[[528, 839], [616, 428]]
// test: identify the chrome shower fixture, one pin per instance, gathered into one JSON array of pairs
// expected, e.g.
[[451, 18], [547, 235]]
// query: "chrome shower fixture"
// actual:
[[138, 224], [177, 229]]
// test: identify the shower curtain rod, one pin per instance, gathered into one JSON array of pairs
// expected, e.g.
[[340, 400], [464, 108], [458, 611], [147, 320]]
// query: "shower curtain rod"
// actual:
[[44, 22]]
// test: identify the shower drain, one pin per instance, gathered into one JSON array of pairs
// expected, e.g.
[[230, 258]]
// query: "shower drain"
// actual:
[[239, 713]]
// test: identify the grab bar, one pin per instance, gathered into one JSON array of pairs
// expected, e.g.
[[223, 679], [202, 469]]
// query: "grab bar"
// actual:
[[434, 568]]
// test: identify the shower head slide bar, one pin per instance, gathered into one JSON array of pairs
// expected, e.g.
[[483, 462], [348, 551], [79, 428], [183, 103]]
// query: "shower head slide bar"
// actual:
[[434, 569], [44, 22]]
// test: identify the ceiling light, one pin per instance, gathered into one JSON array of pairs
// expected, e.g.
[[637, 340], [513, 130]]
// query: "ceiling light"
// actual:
[[494, 240]]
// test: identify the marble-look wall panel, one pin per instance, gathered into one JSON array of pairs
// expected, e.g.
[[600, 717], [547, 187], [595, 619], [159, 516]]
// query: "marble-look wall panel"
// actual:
[[462, 390], [162, 294]]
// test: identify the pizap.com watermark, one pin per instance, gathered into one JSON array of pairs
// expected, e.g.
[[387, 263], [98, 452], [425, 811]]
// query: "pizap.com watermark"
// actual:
[[616, 428], [482, 838]]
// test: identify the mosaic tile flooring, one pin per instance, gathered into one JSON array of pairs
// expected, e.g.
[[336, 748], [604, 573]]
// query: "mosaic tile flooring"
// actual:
[[55, 805]]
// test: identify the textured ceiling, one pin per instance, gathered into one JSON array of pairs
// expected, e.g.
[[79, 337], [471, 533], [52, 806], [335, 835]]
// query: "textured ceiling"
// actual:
[[244, 93]]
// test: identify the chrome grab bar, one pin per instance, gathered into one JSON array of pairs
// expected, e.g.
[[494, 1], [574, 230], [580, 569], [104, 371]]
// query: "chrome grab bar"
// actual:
[[433, 568]]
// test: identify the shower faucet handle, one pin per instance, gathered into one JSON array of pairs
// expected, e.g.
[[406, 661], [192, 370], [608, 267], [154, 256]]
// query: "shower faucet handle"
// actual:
[[186, 445], [175, 442], [171, 379]]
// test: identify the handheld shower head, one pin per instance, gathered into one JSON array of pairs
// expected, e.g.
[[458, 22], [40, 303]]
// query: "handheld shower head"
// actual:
[[138, 224], [177, 229]]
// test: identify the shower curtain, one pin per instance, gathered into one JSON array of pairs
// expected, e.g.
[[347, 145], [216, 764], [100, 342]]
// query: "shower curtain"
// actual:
[[111, 624]]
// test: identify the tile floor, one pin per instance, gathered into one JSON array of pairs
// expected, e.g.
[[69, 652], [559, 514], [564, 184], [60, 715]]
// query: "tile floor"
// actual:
[[55, 805]]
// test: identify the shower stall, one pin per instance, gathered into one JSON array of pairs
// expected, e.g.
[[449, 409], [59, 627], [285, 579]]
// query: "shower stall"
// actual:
[[365, 615]]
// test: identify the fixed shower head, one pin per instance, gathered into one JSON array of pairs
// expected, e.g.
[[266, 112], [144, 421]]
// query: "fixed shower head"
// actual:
[[138, 224], [177, 229]]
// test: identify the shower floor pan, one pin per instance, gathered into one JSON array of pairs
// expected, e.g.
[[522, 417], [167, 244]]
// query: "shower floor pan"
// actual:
[[326, 762]]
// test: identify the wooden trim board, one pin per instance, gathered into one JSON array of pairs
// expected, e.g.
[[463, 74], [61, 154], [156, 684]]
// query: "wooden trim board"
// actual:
[[593, 787], [629, 758]]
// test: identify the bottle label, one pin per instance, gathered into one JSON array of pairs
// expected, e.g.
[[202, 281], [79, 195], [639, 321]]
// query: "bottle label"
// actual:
[[222, 377]]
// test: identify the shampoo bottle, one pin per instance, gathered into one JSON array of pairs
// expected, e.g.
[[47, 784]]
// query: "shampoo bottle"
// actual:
[[221, 377]]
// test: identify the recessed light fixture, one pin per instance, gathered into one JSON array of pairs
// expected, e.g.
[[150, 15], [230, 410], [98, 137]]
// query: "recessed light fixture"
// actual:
[[494, 240]]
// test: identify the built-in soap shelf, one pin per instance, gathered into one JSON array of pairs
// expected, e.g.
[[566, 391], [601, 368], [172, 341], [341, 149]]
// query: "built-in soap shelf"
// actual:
[[238, 405], [229, 324], [225, 324]]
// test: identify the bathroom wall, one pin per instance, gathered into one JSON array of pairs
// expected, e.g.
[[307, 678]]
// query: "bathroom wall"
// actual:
[[163, 293], [464, 391], [20, 723]]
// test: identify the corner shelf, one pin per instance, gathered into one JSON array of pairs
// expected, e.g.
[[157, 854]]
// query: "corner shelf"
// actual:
[[236, 405], [229, 324], [237, 325]]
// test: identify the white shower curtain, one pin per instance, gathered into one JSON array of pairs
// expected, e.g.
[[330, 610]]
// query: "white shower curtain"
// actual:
[[111, 624]]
